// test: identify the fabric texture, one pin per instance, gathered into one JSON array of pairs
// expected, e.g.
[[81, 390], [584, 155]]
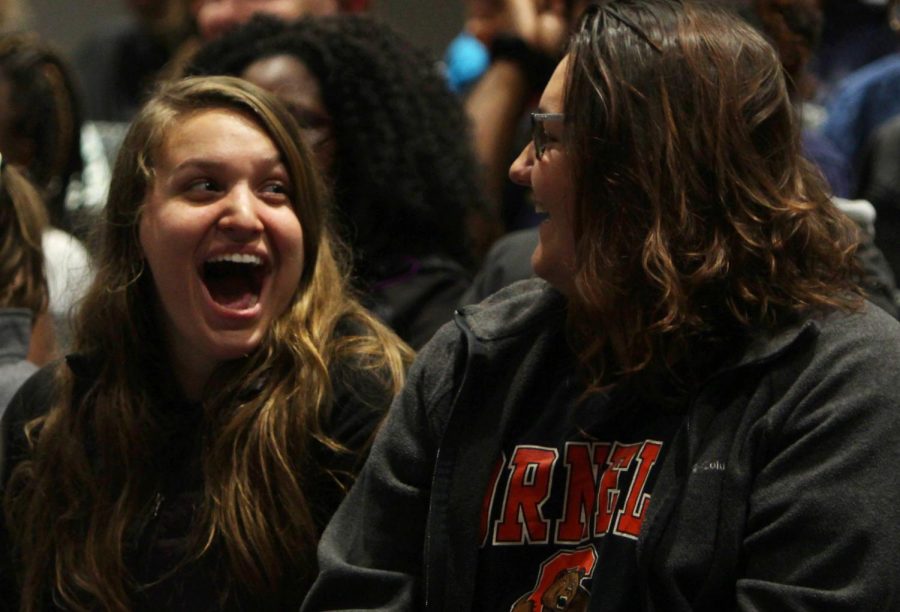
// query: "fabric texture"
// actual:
[[863, 101], [69, 273], [15, 335], [419, 298], [880, 184], [779, 491], [158, 541]]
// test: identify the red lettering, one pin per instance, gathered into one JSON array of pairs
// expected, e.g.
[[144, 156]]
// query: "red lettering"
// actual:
[[608, 496], [581, 490], [630, 518], [528, 488]]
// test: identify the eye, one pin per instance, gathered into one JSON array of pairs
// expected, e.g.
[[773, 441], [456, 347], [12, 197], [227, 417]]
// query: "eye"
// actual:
[[202, 185], [549, 136], [276, 190]]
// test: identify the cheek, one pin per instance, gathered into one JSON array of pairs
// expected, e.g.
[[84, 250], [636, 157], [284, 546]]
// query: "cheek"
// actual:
[[287, 234]]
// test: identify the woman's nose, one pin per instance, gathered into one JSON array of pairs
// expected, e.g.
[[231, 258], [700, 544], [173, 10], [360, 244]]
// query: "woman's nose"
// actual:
[[520, 170], [240, 219]]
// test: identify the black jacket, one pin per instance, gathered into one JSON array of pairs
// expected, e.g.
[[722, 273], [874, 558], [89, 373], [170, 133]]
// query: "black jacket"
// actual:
[[158, 539], [780, 491]]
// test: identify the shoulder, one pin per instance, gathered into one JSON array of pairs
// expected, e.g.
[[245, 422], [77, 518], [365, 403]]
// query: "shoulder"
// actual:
[[33, 399], [837, 368], [870, 333], [39, 393], [508, 261], [875, 74], [521, 308], [12, 375], [362, 382], [36, 394], [493, 328]]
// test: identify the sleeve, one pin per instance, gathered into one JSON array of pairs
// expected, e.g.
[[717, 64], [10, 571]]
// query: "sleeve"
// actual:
[[371, 554], [362, 397], [33, 398], [823, 513], [844, 125]]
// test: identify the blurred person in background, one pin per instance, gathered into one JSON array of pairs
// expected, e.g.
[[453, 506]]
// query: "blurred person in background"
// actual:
[[119, 63], [393, 142], [14, 14], [40, 134], [23, 286], [865, 99], [216, 17], [524, 39]]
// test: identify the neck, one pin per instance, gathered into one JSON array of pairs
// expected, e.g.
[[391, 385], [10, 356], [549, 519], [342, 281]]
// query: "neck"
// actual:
[[192, 372]]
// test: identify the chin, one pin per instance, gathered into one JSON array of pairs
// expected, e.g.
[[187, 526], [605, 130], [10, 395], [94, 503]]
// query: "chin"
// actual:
[[227, 349]]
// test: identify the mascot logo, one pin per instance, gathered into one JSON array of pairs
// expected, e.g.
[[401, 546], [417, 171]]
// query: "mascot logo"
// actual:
[[558, 586]]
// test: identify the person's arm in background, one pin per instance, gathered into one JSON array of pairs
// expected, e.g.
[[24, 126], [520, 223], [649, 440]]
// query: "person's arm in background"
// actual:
[[523, 57], [42, 348]]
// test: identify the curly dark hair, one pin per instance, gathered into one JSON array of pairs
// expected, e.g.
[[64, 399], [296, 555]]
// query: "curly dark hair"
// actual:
[[46, 111], [405, 176]]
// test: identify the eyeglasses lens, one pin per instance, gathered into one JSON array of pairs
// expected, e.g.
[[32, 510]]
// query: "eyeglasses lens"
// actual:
[[538, 136]]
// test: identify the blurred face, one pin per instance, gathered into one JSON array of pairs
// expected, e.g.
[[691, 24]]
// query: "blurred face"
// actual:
[[215, 17], [290, 79], [778, 19], [16, 148], [550, 178], [484, 18], [220, 236]]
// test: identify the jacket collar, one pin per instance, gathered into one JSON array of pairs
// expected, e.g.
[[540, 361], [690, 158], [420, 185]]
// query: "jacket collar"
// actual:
[[529, 303], [512, 310], [766, 345]]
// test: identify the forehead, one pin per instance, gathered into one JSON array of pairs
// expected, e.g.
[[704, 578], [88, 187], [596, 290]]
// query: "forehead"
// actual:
[[213, 130], [553, 98], [287, 76]]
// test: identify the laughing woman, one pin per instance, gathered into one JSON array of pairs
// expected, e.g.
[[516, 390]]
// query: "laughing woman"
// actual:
[[691, 409], [224, 385]]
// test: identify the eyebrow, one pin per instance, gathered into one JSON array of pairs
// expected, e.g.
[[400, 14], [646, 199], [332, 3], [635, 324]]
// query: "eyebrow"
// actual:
[[209, 164]]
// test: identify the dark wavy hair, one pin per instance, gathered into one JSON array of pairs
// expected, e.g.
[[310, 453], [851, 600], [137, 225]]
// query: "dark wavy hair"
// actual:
[[46, 112], [697, 219], [405, 175]]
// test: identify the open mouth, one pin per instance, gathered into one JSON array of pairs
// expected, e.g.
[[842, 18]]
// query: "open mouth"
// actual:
[[234, 281]]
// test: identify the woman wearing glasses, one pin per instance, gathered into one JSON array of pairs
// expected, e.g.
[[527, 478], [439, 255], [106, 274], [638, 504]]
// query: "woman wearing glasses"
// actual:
[[692, 408]]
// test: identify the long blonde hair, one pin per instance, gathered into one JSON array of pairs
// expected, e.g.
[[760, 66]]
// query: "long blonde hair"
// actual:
[[87, 480]]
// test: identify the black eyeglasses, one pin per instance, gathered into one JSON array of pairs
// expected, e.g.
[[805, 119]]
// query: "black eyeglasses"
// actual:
[[538, 134]]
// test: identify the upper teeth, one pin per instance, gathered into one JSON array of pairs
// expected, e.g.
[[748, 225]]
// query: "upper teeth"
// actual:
[[241, 258]]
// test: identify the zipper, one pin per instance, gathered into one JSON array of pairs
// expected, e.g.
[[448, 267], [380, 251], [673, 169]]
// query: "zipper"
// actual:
[[145, 518]]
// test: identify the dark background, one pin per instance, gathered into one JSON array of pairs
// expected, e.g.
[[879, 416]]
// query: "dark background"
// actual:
[[430, 23]]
